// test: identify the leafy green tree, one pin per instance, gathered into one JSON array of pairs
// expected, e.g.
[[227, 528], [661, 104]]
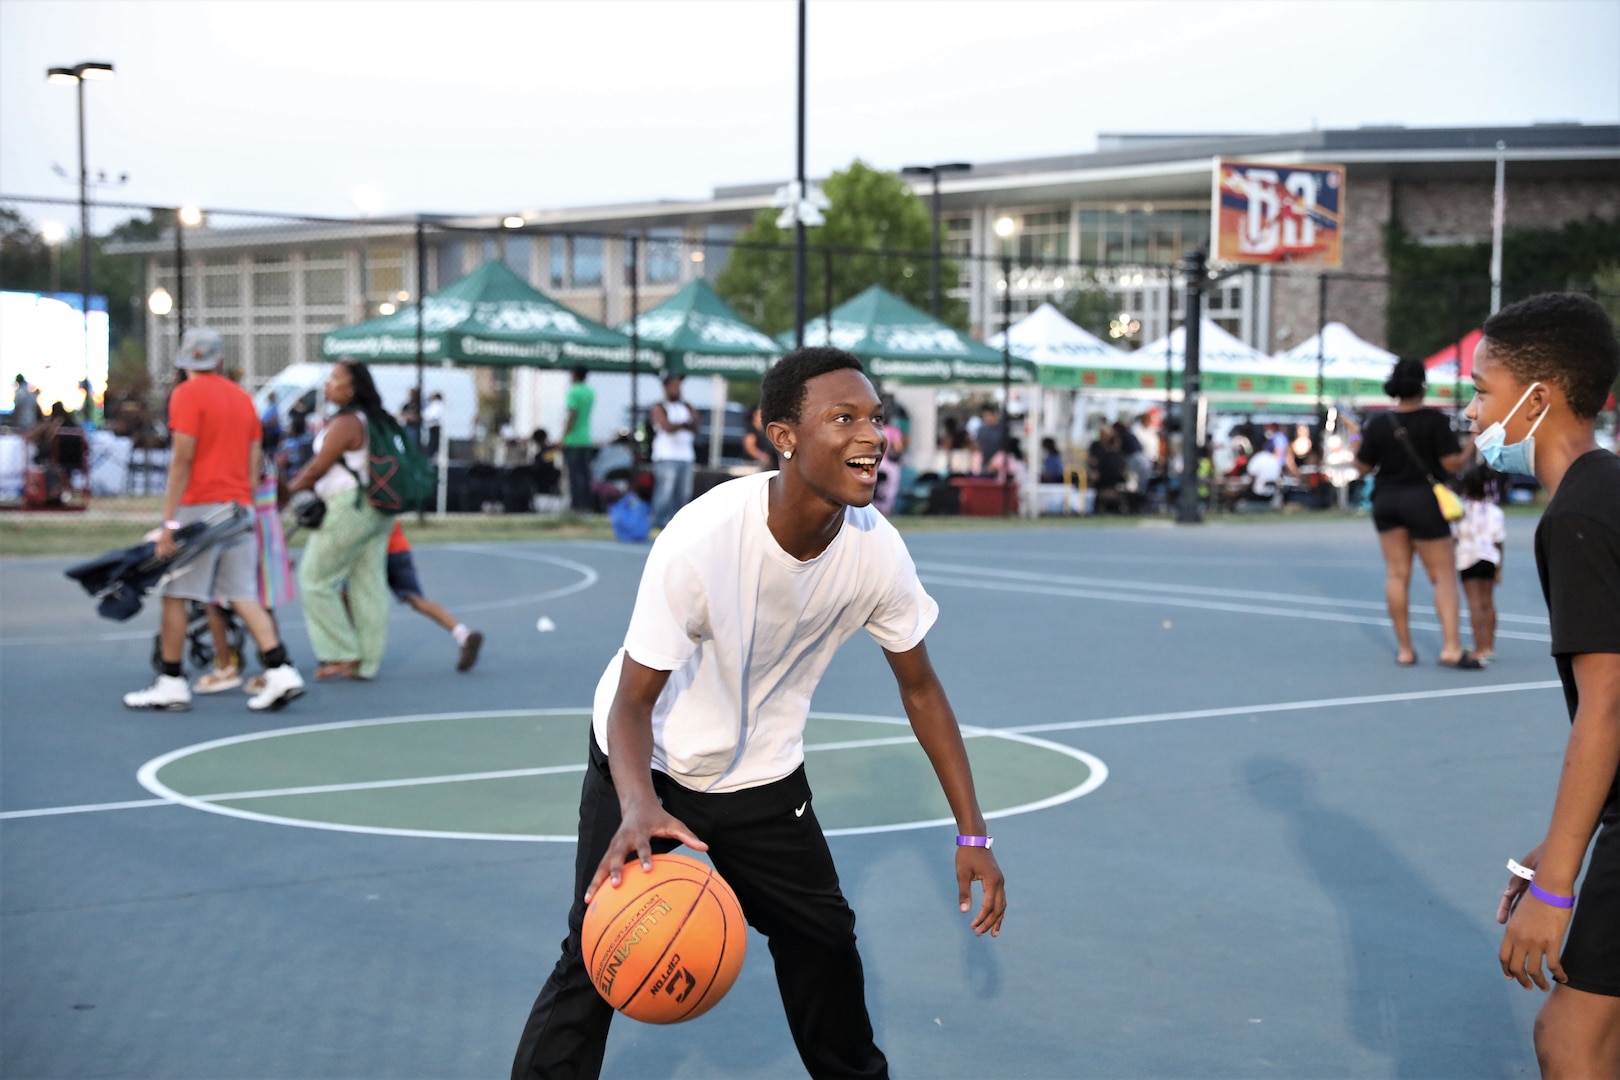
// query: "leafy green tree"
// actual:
[[1438, 294], [871, 210]]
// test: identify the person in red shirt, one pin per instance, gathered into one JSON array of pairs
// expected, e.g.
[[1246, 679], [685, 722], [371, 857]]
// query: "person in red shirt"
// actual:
[[214, 459], [405, 585]]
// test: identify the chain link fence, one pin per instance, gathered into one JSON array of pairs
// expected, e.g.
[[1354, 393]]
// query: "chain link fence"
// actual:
[[274, 285]]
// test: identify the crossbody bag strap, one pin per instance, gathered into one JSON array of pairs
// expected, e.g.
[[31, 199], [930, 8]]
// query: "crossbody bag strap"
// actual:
[[1400, 433]]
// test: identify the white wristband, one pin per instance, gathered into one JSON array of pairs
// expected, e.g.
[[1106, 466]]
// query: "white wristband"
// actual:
[[1521, 871]]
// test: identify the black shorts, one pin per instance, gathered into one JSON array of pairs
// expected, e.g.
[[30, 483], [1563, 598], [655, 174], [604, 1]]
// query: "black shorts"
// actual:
[[1484, 570], [1591, 956], [402, 576], [1411, 507]]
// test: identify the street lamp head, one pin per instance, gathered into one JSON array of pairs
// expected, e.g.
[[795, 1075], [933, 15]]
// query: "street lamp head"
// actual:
[[190, 215], [88, 71], [52, 232], [1005, 227], [513, 221], [160, 302]]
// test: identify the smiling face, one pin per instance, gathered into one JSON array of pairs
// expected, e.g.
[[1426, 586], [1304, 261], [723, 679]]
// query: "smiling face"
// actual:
[[1499, 396], [838, 440]]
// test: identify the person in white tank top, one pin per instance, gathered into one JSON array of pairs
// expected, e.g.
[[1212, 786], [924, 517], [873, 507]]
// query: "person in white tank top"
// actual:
[[348, 554], [674, 452]]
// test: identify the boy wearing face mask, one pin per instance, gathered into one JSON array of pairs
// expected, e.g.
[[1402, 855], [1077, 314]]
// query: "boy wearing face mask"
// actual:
[[1541, 374]]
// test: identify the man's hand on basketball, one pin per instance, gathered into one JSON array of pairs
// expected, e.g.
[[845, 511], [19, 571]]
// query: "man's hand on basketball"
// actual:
[[641, 822], [977, 864]]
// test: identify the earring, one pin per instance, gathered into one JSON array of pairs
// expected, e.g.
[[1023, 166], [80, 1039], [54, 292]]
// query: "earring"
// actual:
[[787, 454]]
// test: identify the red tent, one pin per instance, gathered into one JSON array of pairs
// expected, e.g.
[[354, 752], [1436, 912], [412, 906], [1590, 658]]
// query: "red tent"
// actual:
[[1448, 356]]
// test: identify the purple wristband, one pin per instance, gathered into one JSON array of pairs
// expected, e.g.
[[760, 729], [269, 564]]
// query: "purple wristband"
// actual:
[[975, 841], [1551, 899]]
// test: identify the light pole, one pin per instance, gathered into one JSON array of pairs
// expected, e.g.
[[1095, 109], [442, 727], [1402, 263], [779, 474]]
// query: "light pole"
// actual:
[[78, 75], [934, 172], [1005, 227]]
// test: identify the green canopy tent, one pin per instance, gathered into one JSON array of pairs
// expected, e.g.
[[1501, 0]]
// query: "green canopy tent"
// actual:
[[901, 344], [490, 317], [699, 334]]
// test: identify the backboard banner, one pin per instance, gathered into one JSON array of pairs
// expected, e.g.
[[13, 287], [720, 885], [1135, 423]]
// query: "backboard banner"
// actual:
[[1266, 213]]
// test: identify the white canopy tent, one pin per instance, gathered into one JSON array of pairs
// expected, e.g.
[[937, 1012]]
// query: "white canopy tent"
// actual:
[[1344, 355]]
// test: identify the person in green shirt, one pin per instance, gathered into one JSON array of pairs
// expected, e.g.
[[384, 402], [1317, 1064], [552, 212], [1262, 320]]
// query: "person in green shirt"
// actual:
[[577, 448]]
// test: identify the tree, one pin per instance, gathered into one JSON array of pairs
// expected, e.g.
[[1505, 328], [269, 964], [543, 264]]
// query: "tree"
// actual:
[[871, 210]]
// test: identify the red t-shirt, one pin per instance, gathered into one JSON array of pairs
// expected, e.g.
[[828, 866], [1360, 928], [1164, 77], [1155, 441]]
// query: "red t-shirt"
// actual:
[[220, 416], [397, 542]]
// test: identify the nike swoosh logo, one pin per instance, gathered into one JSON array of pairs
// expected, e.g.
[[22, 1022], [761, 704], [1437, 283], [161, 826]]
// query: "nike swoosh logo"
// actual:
[[800, 811]]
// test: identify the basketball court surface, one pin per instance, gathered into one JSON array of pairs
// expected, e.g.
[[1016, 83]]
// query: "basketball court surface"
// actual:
[[1239, 840]]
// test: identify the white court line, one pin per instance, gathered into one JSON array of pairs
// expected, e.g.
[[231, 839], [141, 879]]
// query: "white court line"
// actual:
[[588, 578], [930, 578], [968, 731], [1191, 590]]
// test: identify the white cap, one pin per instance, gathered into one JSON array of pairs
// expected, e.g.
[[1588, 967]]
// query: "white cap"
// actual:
[[201, 349]]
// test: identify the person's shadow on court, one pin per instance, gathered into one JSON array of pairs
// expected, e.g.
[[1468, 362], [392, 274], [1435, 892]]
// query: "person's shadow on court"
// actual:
[[1424, 986]]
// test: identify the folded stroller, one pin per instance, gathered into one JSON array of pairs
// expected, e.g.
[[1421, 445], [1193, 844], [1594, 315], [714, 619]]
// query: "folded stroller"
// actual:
[[119, 580]]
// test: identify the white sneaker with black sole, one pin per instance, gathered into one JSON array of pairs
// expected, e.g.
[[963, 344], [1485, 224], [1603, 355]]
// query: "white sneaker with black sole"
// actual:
[[171, 693], [281, 685]]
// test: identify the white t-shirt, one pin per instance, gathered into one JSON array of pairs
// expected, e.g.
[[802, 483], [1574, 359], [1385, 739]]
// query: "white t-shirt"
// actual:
[[1480, 534], [1265, 470], [746, 631], [674, 445]]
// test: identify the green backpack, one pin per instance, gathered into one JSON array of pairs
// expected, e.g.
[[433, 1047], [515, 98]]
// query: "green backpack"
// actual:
[[400, 476]]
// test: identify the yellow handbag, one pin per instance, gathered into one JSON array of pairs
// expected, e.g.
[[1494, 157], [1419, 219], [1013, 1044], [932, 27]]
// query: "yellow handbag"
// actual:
[[1451, 507]]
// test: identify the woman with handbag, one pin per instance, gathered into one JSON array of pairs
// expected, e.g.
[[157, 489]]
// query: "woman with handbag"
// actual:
[[347, 555], [1413, 449]]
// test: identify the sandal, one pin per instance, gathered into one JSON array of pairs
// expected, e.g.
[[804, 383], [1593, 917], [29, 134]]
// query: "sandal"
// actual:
[[1465, 662], [337, 669], [1406, 663]]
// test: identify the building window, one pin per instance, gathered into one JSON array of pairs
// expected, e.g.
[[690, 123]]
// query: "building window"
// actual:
[[717, 248], [587, 261], [1043, 238], [323, 286], [558, 276], [663, 256], [450, 261], [519, 249], [222, 289], [271, 287], [386, 270]]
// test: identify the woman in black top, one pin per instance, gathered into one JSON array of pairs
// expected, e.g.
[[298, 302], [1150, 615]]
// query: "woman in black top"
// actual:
[[1405, 511]]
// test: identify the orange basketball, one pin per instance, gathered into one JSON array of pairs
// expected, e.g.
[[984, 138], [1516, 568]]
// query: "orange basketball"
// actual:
[[667, 943]]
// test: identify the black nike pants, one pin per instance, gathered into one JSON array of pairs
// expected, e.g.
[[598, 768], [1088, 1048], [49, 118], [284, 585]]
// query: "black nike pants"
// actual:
[[767, 844]]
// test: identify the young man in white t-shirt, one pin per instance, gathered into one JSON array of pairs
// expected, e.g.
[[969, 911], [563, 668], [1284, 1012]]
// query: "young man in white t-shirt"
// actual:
[[745, 598]]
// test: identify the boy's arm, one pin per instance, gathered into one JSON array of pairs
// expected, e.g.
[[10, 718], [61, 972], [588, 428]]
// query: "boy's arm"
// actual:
[[629, 750], [182, 456], [937, 731], [1536, 930]]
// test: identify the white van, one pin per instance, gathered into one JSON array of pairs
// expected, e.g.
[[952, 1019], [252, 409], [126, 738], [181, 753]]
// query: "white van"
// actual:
[[394, 382]]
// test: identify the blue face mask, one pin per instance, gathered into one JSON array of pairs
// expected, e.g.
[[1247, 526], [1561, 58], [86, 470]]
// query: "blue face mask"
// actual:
[[1519, 457]]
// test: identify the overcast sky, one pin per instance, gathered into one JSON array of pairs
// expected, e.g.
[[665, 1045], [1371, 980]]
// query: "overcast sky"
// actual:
[[520, 104]]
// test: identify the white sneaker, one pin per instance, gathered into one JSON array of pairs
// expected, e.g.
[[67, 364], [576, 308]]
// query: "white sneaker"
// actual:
[[219, 680], [281, 685], [170, 693]]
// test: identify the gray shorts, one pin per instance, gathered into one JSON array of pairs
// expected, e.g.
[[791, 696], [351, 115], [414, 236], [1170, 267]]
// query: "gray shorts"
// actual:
[[226, 571]]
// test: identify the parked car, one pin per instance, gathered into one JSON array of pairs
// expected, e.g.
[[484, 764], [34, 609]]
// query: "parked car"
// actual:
[[738, 417]]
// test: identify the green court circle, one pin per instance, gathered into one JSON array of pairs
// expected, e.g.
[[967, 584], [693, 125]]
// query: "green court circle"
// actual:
[[515, 775]]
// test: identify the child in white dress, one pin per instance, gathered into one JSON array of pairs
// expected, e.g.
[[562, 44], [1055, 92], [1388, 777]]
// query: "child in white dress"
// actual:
[[1481, 536]]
